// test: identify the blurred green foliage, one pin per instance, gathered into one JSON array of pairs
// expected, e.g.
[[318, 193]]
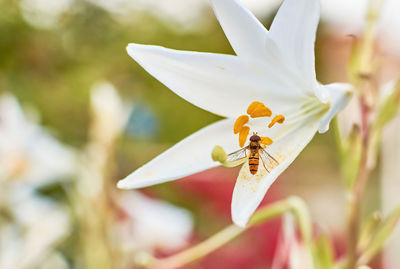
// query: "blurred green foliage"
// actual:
[[55, 69]]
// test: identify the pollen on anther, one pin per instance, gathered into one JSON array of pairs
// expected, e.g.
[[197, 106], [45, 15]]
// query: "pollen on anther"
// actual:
[[244, 133], [277, 119], [257, 109], [266, 140], [239, 123]]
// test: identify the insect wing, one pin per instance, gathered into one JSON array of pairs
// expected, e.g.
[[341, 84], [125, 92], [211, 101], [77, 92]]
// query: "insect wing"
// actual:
[[237, 155], [268, 161]]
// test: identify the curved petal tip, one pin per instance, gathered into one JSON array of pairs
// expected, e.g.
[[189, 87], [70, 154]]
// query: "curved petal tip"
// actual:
[[122, 184], [174, 163], [249, 191], [338, 95], [240, 221], [133, 48]]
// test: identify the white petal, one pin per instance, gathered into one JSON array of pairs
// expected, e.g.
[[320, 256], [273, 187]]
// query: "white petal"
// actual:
[[153, 223], [109, 112], [251, 41], [250, 189], [222, 84], [189, 156], [293, 30], [25, 144], [338, 95], [36, 216], [289, 140], [245, 33]]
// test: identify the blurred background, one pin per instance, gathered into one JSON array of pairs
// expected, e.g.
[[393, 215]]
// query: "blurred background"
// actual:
[[77, 114]]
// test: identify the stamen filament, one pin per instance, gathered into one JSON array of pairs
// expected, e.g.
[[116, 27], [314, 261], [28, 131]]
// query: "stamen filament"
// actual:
[[300, 114]]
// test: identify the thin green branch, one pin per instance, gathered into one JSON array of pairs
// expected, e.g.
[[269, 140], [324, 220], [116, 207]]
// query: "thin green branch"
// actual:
[[293, 205], [380, 236], [364, 70]]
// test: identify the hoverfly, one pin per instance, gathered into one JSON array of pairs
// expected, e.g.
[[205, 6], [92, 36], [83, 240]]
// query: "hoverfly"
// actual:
[[256, 152]]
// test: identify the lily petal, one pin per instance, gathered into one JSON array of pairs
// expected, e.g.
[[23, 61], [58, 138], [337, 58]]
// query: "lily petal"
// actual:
[[189, 156], [246, 34], [252, 41], [293, 30], [338, 96], [250, 189], [222, 84]]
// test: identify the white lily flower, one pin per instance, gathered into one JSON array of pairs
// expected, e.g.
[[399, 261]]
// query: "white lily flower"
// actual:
[[152, 224], [45, 14], [109, 113], [37, 226], [29, 158], [27, 151], [109, 117], [274, 68]]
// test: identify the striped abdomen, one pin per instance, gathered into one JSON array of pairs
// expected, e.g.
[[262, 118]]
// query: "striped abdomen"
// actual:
[[254, 160]]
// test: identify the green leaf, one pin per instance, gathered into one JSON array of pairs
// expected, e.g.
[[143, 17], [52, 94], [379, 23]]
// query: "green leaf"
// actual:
[[368, 230], [323, 253], [380, 236], [390, 107], [350, 149]]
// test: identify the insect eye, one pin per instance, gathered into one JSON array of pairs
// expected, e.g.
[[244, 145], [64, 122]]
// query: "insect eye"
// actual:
[[255, 138]]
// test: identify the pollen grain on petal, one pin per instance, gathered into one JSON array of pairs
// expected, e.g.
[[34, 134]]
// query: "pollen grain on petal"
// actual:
[[266, 140], [258, 110], [239, 123], [244, 133], [277, 119]]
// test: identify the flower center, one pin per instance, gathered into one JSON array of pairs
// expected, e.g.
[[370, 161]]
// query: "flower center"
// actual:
[[255, 110]]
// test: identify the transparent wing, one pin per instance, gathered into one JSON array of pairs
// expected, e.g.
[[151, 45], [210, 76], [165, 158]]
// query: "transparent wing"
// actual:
[[268, 161], [237, 155]]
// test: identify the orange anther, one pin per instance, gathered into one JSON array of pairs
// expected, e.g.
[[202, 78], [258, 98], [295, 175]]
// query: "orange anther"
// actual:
[[253, 106], [239, 123], [277, 119], [244, 133], [258, 109], [266, 140]]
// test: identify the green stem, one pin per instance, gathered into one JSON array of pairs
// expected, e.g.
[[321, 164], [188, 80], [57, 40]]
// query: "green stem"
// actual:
[[294, 205], [354, 219], [380, 236], [200, 250], [368, 230], [363, 84]]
